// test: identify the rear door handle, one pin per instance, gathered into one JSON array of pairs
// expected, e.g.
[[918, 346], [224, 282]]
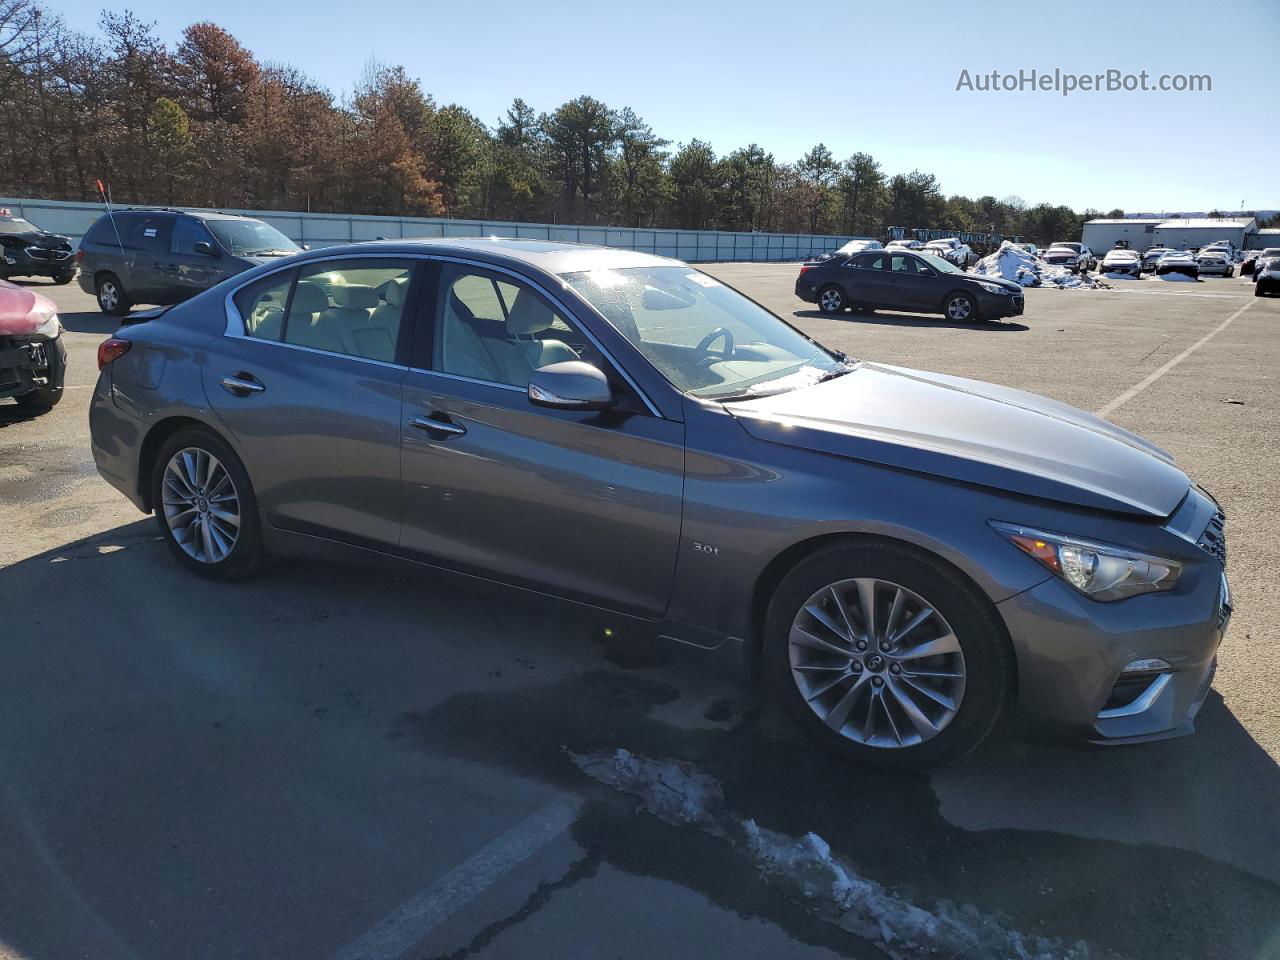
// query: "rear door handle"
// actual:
[[428, 425], [241, 384]]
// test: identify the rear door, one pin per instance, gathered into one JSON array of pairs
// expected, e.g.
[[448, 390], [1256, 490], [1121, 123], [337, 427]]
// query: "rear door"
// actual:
[[149, 279], [310, 389], [866, 279], [585, 505]]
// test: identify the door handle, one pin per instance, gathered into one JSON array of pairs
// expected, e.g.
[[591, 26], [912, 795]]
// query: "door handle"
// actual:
[[241, 384], [427, 425]]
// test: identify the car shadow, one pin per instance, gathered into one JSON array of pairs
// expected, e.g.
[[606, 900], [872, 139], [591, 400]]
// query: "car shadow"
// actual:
[[11, 413], [920, 321], [126, 674]]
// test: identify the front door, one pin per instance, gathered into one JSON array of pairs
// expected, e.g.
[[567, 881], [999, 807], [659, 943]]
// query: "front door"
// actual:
[[912, 283], [584, 505], [311, 393], [189, 271]]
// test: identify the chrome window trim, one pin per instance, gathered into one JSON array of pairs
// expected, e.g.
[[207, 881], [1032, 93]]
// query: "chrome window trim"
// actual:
[[235, 323], [464, 379]]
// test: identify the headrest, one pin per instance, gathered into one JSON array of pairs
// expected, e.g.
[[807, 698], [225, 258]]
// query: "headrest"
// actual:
[[309, 298], [395, 291], [354, 296], [528, 315]]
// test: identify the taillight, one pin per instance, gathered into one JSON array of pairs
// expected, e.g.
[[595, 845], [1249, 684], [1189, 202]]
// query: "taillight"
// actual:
[[79, 257], [110, 349], [805, 267]]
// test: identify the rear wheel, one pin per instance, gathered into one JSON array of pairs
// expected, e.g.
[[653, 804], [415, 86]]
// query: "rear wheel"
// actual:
[[111, 296], [887, 656], [205, 506], [831, 299], [63, 277], [960, 307]]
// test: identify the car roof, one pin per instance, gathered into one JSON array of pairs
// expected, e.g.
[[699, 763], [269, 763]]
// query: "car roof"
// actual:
[[198, 214], [550, 256]]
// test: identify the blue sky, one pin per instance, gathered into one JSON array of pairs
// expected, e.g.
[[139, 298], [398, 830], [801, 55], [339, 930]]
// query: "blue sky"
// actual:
[[875, 77]]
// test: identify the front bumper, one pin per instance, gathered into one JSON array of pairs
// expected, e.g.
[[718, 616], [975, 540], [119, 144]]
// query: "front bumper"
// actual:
[[1221, 269], [994, 305], [36, 262], [1072, 652], [26, 365]]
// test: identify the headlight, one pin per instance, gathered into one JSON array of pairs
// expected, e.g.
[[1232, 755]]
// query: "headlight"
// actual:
[[1098, 570], [993, 288], [49, 325]]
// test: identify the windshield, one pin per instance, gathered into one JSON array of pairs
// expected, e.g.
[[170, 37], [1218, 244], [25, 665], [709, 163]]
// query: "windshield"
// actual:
[[1073, 247], [15, 225], [707, 339], [250, 238], [939, 264]]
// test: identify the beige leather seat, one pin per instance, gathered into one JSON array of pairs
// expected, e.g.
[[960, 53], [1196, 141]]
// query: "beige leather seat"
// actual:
[[353, 317], [306, 327], [519, 354]]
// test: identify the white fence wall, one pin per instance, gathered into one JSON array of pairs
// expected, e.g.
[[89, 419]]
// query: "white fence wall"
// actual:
[[326, 229]]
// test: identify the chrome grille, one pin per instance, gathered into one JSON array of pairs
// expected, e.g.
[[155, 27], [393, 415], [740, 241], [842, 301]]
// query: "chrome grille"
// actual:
[[1214, 538]]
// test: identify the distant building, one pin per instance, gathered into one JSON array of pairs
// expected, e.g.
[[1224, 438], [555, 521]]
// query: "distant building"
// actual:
[[1103, 234], [1201, 231], [1270, 237], [1180, 233]]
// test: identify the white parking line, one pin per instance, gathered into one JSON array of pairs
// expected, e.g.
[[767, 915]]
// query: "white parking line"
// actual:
[[426, 910], [1166, 367]]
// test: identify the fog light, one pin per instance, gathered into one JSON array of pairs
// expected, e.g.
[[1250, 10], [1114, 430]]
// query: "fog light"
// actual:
[[1149, 665]]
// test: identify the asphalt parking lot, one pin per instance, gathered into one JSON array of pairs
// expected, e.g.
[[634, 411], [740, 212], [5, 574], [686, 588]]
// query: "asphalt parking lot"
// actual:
[[338, 762]]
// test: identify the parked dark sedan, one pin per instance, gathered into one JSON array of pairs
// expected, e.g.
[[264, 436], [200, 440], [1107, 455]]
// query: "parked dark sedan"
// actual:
[[904, 280], [165, 256], [28, 251], [905, 555]]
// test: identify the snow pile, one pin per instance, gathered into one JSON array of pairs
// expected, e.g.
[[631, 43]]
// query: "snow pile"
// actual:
[[1177, 278], [807, 872], [1014, 263]]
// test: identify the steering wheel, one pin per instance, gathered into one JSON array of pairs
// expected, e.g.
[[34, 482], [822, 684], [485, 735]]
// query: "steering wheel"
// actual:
[[704, 346]]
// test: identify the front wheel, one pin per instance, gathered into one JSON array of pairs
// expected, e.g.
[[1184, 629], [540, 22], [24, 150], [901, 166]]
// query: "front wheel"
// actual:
[[112, 299], [887, 656], [205, 506], [960, 308], [831, 299], [63, 277]]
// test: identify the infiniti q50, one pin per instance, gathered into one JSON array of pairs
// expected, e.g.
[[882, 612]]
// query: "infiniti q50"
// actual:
[[904, 556]]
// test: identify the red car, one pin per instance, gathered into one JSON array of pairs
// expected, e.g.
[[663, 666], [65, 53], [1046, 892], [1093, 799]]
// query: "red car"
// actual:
[[33, 359]]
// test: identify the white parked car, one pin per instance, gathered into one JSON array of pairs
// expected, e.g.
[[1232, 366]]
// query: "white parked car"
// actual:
[[903, 245], [1076, 257], [950, 248], [1215, 259], [1123, 261], [858, 246]]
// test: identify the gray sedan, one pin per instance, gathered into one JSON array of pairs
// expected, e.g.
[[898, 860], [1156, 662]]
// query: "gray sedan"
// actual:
[[905, 557]]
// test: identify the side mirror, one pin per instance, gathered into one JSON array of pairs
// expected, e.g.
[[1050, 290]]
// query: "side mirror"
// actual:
[[570, 385], [205, 247]]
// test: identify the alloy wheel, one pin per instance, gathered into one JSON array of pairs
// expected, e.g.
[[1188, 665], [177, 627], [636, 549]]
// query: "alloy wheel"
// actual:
[[831, 301], [959, 308], [877, 663], [201, 506], [108, 296]]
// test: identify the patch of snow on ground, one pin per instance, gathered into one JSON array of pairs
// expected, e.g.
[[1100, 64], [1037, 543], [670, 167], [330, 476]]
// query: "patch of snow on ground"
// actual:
[[807, 871], [1014, 263], [1121, 276], [1176, 277]]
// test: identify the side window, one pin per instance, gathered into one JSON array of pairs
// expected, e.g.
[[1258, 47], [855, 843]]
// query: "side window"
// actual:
[[349, 306], [868, 261], [262, 305], [495, 329], [151, 233], [187, 232], [899, 263]]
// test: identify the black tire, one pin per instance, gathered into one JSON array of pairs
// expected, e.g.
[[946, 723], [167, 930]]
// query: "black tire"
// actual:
[[246, 556], [952, 309], [831, 299], [63, 277], [112, 300], [47, 397], [987, 653]]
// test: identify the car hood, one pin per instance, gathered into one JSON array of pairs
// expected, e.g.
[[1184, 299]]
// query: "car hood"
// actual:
[[1011, 285], [972, 432], [38, 238]]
